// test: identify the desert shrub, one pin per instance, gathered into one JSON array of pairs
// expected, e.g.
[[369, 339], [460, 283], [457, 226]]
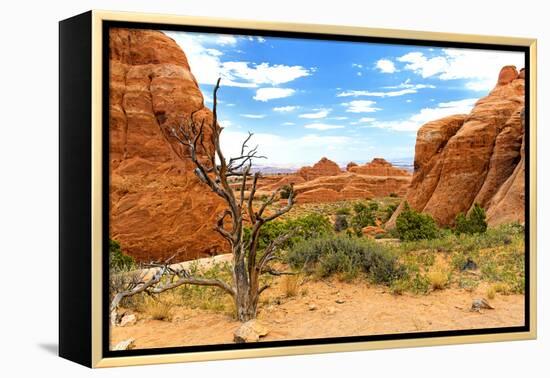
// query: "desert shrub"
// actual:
[[285, 191], [340, 223], [118, 261], [389, 210], [473, 223], [412, 225], [363, 216], [343, 211], [348, 256], [302, 228], [393, 195]]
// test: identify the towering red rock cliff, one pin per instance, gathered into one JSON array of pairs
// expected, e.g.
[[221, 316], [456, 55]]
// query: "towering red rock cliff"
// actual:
[[158, 207], [477, 158]]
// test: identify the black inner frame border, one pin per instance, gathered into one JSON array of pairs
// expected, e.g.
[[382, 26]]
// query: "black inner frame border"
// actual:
[[106, 25]]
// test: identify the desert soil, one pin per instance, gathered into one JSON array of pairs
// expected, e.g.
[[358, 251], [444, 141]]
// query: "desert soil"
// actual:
[[330, 309]]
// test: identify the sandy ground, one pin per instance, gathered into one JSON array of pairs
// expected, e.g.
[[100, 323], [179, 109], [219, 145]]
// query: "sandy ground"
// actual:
[[340, 309]]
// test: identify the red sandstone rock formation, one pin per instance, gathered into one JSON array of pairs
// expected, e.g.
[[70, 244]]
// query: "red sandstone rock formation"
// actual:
[[158, 207], [323, 167], [350, 186], [378, 167], [351, 164], [477, 158]]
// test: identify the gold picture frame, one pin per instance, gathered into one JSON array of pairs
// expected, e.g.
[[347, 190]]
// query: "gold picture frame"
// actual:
[[89, 328]]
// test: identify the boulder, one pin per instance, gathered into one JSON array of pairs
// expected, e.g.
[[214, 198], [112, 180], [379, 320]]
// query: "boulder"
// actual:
[[125, 344], [250, 332]]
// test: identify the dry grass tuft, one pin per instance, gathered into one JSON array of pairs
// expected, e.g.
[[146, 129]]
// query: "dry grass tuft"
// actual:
[[438, 279], [290, 284], [157, 309]]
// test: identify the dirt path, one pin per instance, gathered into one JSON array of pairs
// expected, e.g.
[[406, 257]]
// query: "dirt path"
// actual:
[[330, 309]]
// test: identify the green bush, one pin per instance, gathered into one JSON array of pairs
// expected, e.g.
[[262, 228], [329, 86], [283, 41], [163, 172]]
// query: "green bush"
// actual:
[[118, 261], [348, 256], [474, 223], [285, 191], [302, 228], [340, 223], [364, 216], [412, 225], [343, 211]]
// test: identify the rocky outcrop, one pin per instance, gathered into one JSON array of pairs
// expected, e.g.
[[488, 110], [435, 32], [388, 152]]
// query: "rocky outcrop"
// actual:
[[323, 167], [351, 186], [350, 165], [158, 206], [476, 158], [378, 167]]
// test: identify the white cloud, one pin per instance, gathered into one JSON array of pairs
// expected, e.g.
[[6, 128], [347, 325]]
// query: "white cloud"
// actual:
[[284, 109], [266, 94], [339, 118], [367, 119], [226, 123], [260, 39], [255, 116], [288, 123], [479, 67], [295, 151], [408, 100], [360, 106], [226, 40], [357, 65], [413, 123], [403, 89], [354, 93], [359, 74], [207, 66], [264, 73], [322, 126], [386, 66], [321, 113]]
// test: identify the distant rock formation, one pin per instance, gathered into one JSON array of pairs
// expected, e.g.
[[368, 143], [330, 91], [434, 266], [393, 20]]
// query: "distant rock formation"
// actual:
[[158, 206], [323, 167], [350, 165], [479, 158], [378, 167], [326, 182]]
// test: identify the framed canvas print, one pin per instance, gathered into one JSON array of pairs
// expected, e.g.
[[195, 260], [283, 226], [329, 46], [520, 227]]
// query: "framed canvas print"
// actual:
[[236, 189]]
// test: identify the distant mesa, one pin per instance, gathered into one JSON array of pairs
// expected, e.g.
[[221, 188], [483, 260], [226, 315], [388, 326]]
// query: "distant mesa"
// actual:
[[378, 167], [474, 158]]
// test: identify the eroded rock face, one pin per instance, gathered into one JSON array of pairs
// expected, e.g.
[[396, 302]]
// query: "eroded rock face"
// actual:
[[158, 207], [476, 158]]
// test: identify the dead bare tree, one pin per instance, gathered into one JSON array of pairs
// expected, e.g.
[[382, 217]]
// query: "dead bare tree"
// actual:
[[248, 262]]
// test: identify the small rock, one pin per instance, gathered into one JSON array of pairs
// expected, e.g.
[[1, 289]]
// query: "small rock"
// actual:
[[479, 304], [331, 311], [250, 332], [129, 319], [340, 301], [125, 345], [312, 307], [469, 265]]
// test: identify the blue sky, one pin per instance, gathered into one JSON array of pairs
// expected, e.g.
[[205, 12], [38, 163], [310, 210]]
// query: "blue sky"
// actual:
[[305, 99]]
